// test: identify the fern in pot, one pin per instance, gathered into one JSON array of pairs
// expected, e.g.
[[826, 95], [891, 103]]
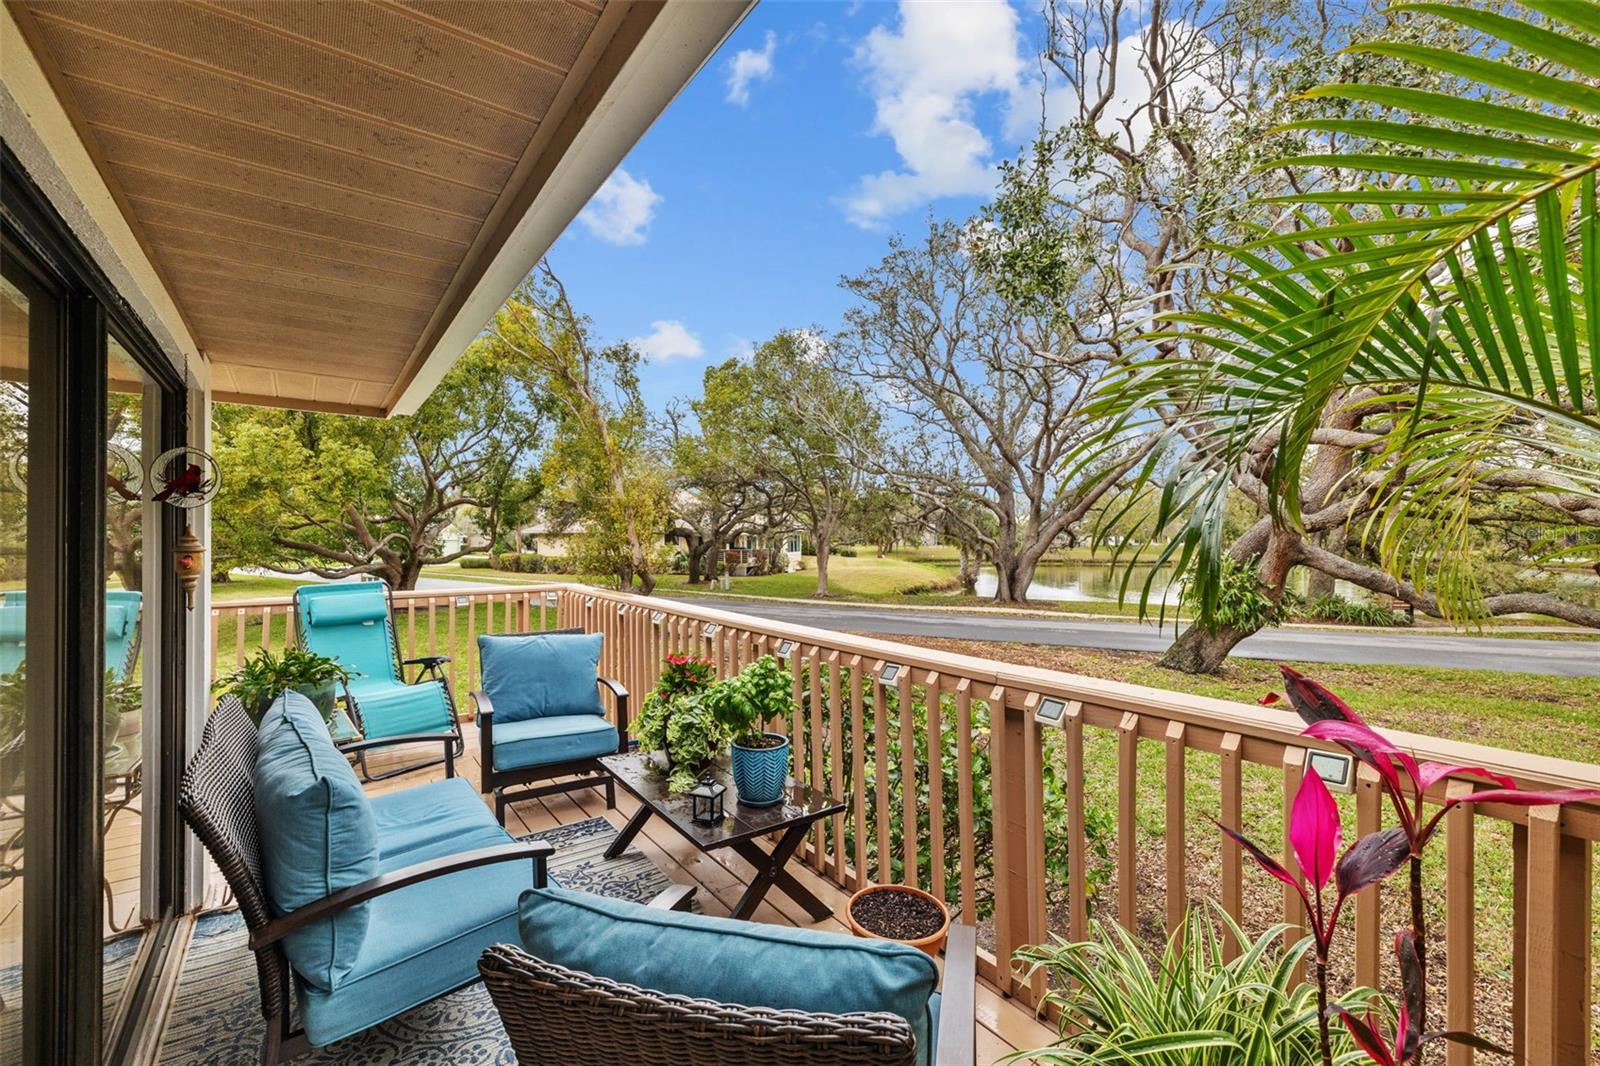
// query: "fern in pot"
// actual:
[[264, 676], [761, 693]]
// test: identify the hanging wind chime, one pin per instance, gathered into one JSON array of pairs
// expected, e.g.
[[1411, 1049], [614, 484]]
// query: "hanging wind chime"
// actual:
[[186, 478]]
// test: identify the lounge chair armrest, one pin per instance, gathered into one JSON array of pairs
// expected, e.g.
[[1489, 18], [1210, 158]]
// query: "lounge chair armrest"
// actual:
[[429, 661], [537, 851], [676, 898], [958, 1019], [615, 686]]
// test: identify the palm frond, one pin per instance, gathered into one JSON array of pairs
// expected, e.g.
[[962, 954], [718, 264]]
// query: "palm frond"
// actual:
[[1453, 276]]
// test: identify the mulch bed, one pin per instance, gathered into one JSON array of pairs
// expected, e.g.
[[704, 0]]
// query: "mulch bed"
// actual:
[[897, 915]]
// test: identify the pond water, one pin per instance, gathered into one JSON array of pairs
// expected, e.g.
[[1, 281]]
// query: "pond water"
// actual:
[[1100, 582]]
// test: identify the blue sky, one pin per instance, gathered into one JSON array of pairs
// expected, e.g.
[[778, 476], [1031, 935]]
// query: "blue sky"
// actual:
[[813, 134]]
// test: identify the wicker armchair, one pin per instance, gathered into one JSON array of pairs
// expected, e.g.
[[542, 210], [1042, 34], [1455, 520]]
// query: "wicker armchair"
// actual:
[[553, 1014], [215, 797]]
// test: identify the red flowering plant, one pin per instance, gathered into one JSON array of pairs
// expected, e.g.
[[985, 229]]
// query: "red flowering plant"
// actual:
[[684, 673], [1315, 835]]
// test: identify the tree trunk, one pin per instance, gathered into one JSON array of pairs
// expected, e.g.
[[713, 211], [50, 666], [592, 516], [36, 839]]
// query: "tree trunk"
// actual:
[[1197, 651], [969, 571], [824, 550], [1014, 576], [647, 582], [698, 550]]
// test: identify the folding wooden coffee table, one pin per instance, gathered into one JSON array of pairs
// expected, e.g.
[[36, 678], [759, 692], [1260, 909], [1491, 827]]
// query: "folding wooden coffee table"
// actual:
[[799, 811]]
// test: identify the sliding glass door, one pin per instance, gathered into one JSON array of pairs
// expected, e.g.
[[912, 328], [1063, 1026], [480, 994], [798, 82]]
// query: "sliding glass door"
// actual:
[[91, 656]]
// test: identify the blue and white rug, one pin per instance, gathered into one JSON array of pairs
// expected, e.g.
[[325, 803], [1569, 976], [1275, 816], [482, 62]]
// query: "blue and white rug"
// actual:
[[216, 1019]]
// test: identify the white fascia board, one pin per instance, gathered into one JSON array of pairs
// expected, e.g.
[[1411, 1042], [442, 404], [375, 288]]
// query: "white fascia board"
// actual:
[[677, 44]]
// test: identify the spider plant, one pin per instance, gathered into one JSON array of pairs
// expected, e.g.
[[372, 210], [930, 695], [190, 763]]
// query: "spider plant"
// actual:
[[1122, 1003]]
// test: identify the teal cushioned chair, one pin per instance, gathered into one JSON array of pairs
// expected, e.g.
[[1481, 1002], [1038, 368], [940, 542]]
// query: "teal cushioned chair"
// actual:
[[354, 623], [540, 718], [681, 986], [122, 630], [376, 905]]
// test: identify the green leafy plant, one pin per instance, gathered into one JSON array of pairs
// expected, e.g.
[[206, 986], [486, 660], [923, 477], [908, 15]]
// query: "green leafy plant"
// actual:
[[264, 676], [1351, 612], [760, 693], [676, 720], [1190, 1006]]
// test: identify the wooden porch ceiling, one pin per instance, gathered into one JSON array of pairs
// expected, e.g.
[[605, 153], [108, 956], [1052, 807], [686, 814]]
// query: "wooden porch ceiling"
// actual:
[[320, 184]]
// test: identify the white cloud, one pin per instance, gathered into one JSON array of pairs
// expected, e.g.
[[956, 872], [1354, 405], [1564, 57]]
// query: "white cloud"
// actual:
[[749, 65], [738, 347], [926, 79], [669, 339], [621, 210]]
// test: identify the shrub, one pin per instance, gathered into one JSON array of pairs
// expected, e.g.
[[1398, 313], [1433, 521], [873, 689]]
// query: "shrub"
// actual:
[[474, 562], [1351, 612], [532, 563], [845, 553], [1190, 1006]]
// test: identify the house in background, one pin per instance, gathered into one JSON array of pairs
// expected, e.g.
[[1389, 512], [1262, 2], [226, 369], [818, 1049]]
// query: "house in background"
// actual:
[[267, 203]]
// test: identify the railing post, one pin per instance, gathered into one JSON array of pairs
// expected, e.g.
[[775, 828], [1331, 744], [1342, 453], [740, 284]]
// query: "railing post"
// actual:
[[1460, 916], [1369, 819], [1559, 927], [1018, 830]]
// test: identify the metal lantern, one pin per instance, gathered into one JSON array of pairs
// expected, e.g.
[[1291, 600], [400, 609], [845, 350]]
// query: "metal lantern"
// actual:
[[706, 798]]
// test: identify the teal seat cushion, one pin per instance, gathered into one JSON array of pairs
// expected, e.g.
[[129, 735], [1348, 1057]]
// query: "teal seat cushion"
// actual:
[[318, 835], [746, 963], [425, 939], [544, 741], [394, 708], [541, 675], [432, 820]]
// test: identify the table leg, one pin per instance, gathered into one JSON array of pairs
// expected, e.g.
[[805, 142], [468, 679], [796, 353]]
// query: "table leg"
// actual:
[[770, 872], [629, 831]]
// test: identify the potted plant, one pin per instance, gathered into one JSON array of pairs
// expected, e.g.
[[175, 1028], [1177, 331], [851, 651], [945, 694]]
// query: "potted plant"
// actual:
[[676, 725], [762, 692], [899, 912], [264, 676]]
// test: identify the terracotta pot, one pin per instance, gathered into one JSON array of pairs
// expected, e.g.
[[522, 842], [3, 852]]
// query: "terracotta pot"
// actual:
[[932, 944]]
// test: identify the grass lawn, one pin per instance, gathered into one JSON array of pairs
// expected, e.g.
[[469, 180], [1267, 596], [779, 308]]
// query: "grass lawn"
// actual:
[[866, 577], [252, 586]]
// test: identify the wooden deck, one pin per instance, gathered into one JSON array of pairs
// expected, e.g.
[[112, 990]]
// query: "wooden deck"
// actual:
[[1003, 1025]]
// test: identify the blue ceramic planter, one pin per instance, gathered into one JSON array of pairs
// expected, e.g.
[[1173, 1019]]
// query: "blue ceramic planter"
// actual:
[[759, 774]]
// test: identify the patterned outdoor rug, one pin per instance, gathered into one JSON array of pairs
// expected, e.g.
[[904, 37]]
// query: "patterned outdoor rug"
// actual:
[[216, 1020]]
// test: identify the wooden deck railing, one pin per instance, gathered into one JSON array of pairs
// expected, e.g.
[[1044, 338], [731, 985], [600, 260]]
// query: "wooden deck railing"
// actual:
[[948, 778]]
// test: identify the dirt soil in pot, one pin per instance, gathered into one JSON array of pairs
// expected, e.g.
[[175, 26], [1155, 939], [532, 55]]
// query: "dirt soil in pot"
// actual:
[[898, 915]]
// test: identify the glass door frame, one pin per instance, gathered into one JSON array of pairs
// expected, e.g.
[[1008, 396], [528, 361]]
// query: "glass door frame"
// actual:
[[62, 900]]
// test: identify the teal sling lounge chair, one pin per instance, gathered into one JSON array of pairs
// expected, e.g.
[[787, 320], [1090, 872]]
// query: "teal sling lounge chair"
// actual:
[[354, 623]]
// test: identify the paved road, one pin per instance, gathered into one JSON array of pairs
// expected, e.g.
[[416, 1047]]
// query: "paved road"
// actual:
[[1569, 658]]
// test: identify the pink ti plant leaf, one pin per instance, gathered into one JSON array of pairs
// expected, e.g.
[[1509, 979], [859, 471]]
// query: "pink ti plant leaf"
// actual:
[[1373, 858], [1366, 1036], [1408, 1034], [1515, 797], [1314, 830], [1265, 861], [1313, 702]]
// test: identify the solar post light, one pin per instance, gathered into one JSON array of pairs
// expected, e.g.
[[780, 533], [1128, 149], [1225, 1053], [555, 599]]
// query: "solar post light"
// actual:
[[657, 617], [1337, 769], [1052, 711], [888, 674], [785, 648]]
